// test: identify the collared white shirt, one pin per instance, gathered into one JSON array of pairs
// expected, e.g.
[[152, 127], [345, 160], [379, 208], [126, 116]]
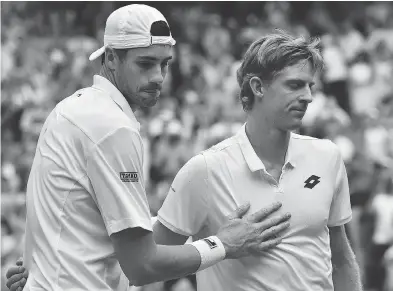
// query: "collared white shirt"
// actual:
[[86, 183], [313, 187]]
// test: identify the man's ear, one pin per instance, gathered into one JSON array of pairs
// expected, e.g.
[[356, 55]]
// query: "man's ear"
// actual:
[[111, 58], [256, 86]]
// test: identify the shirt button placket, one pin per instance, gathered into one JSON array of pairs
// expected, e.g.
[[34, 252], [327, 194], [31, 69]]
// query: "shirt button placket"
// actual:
[[279, 188]]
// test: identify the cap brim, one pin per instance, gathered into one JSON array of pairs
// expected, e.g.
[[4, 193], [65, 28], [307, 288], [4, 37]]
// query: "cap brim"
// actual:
[[97, 53]]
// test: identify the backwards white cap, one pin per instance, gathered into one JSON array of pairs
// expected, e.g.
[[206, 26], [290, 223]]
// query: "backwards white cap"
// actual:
[[134, 26]]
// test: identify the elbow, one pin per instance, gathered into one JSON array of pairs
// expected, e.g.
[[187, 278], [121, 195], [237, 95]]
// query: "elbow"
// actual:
[[139, 281], [143, 276]]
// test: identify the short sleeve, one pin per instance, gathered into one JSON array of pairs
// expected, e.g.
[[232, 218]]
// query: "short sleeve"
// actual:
[[185, 209], [340, 209], [114, 168]]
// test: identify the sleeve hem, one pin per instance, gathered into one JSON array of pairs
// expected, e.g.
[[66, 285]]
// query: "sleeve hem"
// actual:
[[341, 222], [171, 227], [123, 224]]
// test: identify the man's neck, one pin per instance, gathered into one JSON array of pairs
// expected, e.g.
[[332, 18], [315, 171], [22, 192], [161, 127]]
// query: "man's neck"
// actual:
[[270, 144], [107, 74]]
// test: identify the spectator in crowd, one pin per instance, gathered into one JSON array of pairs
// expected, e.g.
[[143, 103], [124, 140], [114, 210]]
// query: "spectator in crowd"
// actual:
[[335, 76], [382, 239]]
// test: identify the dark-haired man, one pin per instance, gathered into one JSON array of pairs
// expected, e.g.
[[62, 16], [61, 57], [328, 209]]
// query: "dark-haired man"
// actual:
[[88, 221]]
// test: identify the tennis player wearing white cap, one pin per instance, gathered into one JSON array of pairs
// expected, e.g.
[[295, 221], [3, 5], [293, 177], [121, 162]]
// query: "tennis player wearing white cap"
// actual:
[[88, 223]]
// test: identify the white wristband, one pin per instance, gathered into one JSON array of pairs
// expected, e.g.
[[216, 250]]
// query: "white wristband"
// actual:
[[211, 250]]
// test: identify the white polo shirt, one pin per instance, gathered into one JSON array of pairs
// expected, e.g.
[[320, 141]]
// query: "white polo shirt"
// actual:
[[313, 187], [86, 183]]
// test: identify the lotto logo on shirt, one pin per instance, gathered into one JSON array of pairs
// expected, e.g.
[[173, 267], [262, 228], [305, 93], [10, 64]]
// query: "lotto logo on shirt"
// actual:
[[129, 176]]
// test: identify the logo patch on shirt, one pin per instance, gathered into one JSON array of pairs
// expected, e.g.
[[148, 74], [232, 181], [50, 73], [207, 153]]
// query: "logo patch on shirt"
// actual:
[[311, 181], [212, 244], [129, 176]]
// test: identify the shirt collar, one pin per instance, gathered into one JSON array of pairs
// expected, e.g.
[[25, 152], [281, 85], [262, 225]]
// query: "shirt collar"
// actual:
[[105, 85], [252, 160], [290, 157]]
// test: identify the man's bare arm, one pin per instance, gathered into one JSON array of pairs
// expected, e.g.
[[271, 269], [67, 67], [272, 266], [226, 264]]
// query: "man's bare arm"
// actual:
[[143, 261], [165, 236], [346, 274]]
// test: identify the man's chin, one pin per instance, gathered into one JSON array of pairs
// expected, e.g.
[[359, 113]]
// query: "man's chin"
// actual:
[[150, 102], [294, 125]]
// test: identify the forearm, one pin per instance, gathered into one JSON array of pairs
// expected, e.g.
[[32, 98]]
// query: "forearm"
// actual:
[[172, 262], [168, 262], [346, 275]]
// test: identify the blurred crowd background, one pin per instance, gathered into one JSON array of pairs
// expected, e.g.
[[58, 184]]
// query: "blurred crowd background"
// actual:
[[44, 58]]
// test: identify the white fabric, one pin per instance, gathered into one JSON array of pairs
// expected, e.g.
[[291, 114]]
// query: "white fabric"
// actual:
[[129, 27], [77, 196], [383, 207], [210, 254], [213, 184], [376, 143]]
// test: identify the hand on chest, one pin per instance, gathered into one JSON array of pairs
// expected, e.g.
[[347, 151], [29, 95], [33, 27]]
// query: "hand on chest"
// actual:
[[305, 193]]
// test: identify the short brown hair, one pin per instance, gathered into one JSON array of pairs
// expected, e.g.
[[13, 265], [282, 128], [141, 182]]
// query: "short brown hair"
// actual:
[[269, 55]]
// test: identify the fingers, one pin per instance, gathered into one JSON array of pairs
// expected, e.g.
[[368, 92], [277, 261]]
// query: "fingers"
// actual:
[[240, 211], [23, 283], [273, 232], [14, 281], [19, 262], [265, 212], [266, 245], [18, 286], [270, 238], [273, 221], [14, 270]]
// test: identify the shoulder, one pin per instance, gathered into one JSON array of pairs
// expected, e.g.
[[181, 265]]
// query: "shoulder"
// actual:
[[224, 154], [220, 149], [196, 165], [94, 113], [211, 158], [312, 145], [192, 175]]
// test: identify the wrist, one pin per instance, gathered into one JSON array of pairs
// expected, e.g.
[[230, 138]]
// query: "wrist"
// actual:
[[211, 250], [226, 246]]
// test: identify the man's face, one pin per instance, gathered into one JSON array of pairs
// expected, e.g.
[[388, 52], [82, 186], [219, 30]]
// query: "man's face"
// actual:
[[286, 98], [140, 75]]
